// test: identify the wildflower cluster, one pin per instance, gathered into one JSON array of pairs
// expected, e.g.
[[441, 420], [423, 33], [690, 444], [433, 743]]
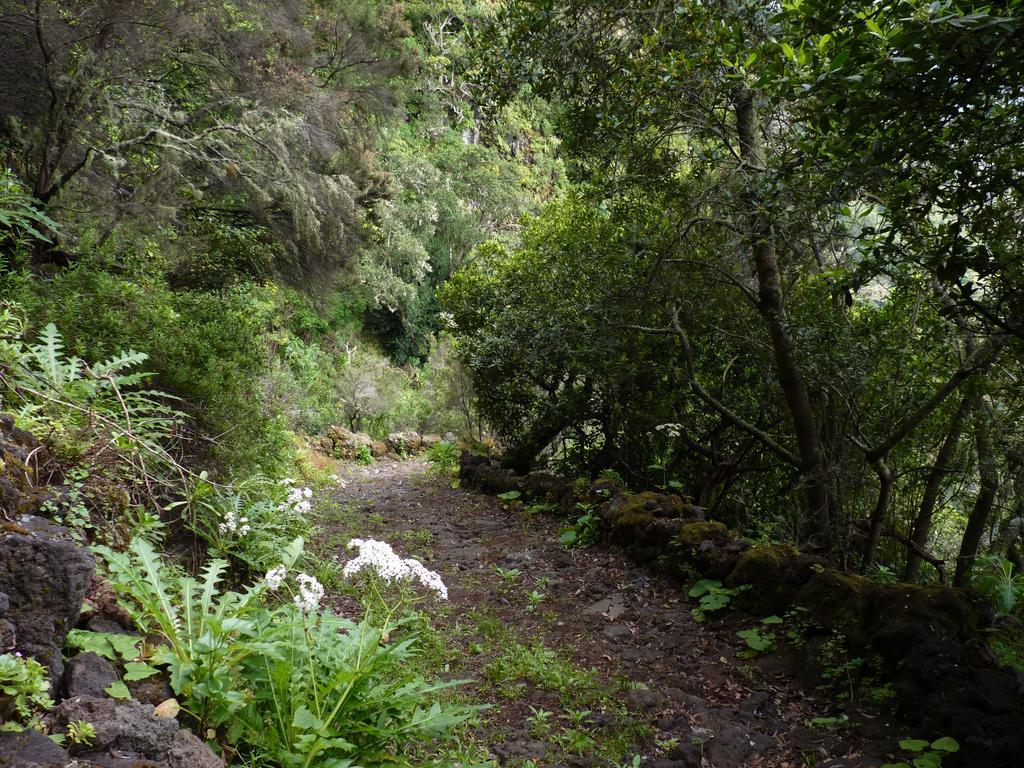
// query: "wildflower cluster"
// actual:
[[234, 524], [379, 557], [310, 593], [297, 501], [670, 429], [275, 577]]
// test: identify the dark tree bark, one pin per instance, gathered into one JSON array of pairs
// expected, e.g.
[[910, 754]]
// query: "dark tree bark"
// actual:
[[989, 483], [877, 522], [941, 469], [772, 307]]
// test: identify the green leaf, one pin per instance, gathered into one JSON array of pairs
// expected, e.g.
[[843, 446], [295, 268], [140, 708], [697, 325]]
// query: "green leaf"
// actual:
[[509, 495], [928, 760], [567, 537], [913, 745], [117, 690], [771, 620], [703, 586], [787, 49], [135, 670], [306, 720], [946, 744]]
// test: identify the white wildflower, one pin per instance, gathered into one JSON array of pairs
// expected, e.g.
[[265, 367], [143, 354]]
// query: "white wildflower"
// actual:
[[378, 556], [233, 524], [311, 592], [275, 577], [297, 502]]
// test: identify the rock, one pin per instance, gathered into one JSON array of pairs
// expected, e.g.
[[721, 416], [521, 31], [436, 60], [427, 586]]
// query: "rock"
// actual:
[[404, 442], [429, 441], [646, 700], [776, 572], [378, 449], [545, 486], [44, 576], [130, 727], [346, 444], [478, 472], [151, 690], [87, 674], [617, 632], [31, 749]]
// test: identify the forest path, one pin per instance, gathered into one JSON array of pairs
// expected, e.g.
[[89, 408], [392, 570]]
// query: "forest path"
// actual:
[[606, 636]]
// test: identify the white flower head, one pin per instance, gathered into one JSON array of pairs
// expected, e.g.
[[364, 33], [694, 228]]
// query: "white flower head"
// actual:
[[379, 557], [311, 592], [275, 577]]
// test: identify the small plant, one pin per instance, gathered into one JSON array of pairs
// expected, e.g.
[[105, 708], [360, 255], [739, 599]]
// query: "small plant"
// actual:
[[81, 732], [281, 679], [444, 458], [24, 691], [996, 580], [882, 574], [540, 508], [926, 754], [363, 455], [667, 744], [827, 722], [584, 531], [509, 495], [712, 596], [508, 575], [759, 639], [539, 722], [534, 598]]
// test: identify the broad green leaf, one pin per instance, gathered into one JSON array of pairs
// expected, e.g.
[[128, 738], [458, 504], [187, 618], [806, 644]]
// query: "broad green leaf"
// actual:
[[946, 744], [118, 690], [135, 670], [913, 745]]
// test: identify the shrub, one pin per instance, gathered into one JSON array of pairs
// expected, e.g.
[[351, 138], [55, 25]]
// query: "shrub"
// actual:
[[282, 682], [23, 691], [444, 458]]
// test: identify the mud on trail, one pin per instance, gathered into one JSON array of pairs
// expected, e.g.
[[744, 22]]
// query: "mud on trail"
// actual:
[[586, 658]]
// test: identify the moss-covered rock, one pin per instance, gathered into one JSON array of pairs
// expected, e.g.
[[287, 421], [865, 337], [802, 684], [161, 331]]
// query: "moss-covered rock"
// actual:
[[695, 533], [776, 573], [837, 601]]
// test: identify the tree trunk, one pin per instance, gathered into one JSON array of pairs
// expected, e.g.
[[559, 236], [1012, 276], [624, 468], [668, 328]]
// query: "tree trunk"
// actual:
[[989, 481], [771, 305], [941, 469], [877, 522]]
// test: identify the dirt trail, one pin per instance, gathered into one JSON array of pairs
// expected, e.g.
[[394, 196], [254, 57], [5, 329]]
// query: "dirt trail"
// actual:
[[665, 686]]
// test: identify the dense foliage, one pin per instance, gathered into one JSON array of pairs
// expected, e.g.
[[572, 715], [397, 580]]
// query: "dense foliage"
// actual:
[[763, 255], [818, 322]]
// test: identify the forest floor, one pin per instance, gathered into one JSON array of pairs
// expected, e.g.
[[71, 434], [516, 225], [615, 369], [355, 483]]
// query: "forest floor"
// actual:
[[586, 658]]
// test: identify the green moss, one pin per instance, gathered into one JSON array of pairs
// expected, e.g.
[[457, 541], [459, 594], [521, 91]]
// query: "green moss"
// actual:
[[837, 601], [692, 534]]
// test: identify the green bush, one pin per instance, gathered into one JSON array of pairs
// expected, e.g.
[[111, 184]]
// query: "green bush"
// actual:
[[210, 349], [283, 683], [444, 458], [249, 522], [23, 692]]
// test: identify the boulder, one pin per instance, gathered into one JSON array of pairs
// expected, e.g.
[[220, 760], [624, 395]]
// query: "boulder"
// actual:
[[31, 749], [404, 442], [478, 472], [429, 441], [43, 578], [131, 728], [87, 674], [777, 572], [346, 444]]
